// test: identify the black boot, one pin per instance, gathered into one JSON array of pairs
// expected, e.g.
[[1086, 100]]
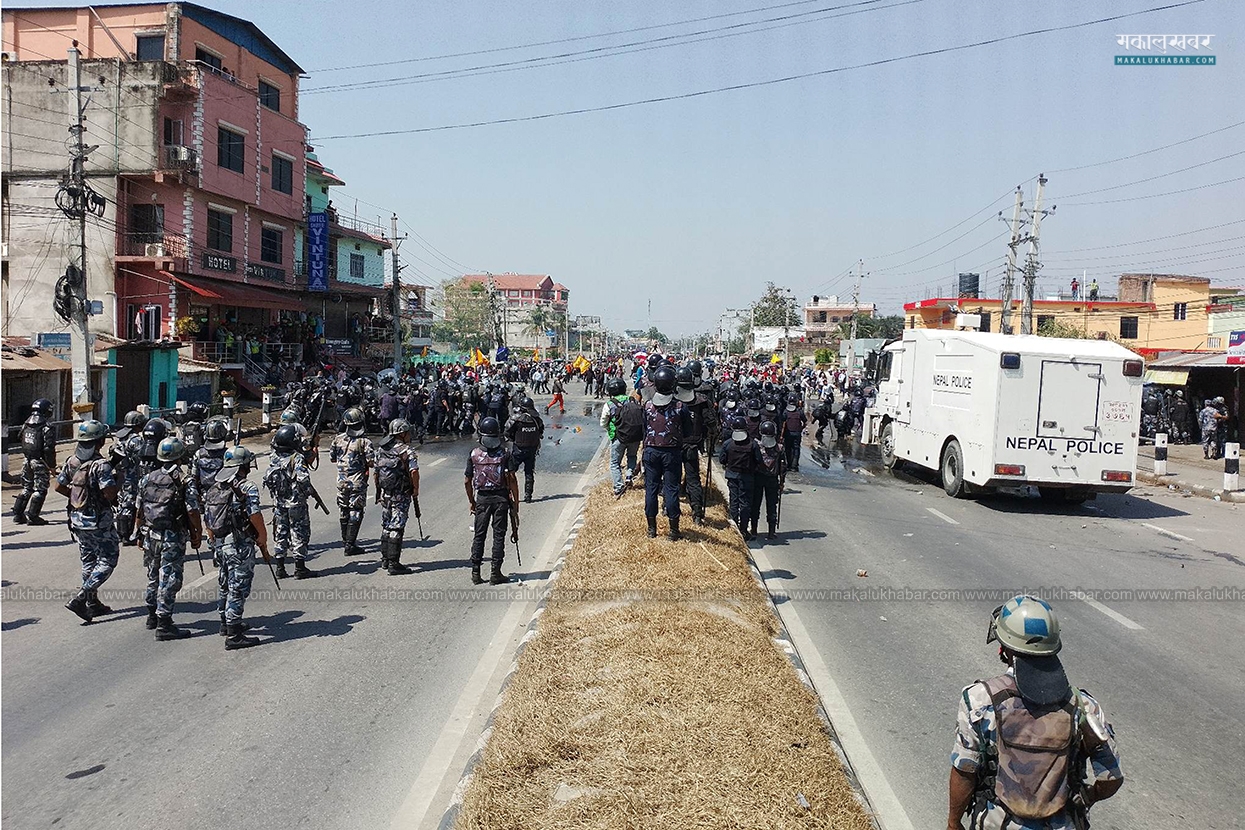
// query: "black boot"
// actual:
[[19, 509], [393, 565], [34, 509], [352, 546], [165, 630], [151, 617], [674, 534], [345, 532], [773, 532], [301, 571], [224, 629], [78, 606], [652, 528], [497, 577], [125, 530], [98, 609], [698, 518], [235, 637], [476, 579], [281, 572]]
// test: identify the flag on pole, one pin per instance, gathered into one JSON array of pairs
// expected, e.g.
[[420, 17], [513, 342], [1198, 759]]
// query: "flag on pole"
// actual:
[[536, 354]]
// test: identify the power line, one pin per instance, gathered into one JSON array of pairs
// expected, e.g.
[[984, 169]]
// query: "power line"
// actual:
[[1159, 176], [1152, 150], [767, 82], [1153, 238], [1156, 195]]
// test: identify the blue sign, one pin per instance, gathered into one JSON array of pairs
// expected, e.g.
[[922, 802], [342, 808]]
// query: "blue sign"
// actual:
[[503, 354], [53, 340], [318, 251]]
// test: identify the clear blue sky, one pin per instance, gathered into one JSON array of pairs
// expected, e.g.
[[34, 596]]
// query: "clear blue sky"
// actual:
[[695, 204]]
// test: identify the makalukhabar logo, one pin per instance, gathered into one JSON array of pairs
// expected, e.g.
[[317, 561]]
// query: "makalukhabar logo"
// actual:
[[1160, 44]]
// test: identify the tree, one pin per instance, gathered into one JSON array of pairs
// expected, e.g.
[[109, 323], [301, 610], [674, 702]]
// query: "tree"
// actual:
[[539, 321], [468, 320], [656, 336], [775, 308], [823, 356]]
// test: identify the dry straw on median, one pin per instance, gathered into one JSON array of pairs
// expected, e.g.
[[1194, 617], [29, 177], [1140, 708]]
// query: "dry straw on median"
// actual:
[[647, 711]]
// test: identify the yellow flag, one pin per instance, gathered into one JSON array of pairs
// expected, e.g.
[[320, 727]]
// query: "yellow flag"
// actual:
[[775, 359], [536, 355]]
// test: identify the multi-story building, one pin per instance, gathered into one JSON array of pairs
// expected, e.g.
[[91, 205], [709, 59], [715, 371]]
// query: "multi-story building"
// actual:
[[824, 316], [1154, 313], [200, 159], [531, 306]]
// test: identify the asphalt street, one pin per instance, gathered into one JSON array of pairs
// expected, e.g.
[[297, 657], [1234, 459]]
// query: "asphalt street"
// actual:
[[356, 711], [1166, 668]]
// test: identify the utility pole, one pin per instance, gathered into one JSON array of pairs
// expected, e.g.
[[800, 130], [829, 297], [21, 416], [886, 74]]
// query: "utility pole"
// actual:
[[851, 343], [397, 295], [1009, 276], [1031, 259]]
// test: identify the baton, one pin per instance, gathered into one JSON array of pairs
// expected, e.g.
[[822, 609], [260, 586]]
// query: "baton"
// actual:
[[518, 556], [273, 571], [199, 559]]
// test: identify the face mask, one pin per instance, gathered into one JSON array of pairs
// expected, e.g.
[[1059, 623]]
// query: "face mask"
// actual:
[[490, 442], [769, 441], [730, 404], [754, 413], [791, 408], [769, 407], [739, 436]]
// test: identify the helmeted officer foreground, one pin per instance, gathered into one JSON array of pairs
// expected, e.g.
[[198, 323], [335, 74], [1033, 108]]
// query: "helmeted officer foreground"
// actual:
[[88, 482], [397, 488], [353, 453], [168, 512], [288, 481], [234, 522], [39, 448], [493, 494]]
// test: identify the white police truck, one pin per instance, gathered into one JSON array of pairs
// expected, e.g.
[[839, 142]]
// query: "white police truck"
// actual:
[[990, 411]]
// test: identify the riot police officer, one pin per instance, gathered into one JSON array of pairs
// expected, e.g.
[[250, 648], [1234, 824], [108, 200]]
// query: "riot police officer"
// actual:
[[192, 427], [702, 422], [39, 447], [353, 454], [126, 451], [493, 494], [88, 482], [665, 424], [524, 431], [397, 488], [288, 481], [768, 479], [740, 456], [168, 511], [235, 525]]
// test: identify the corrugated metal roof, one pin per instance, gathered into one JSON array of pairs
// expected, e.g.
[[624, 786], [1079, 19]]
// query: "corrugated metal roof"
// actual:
[[31, 360], [1192, 360]]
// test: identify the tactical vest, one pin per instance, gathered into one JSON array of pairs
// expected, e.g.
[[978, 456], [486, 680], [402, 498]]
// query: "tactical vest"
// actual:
[[663, 426], [279, 478], [739, 457], [392, 470], [487, 470], [34, 446], [207, 464], [696, 421], [223, 514], [1027, 767], [770, 460], [83, 497], [795, 421], [629, 422], [526, 433], [164, 505]]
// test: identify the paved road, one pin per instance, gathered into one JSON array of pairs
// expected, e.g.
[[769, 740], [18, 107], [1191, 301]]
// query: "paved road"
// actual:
[[1168, 672], [349, 716]]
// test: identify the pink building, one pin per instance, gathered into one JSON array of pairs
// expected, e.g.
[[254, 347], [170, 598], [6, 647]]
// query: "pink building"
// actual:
[[208, 155]]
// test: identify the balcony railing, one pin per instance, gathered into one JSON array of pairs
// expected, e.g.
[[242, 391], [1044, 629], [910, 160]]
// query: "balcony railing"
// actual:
[[269, 353], [152, 246]]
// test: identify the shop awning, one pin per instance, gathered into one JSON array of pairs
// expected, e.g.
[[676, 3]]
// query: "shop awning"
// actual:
[[239, 295], [1167, 377]]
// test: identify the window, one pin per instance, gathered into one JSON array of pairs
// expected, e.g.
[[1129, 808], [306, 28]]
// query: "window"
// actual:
[[270, 96], [1045, 321], [884, 366], [220, 231], [1180, 311], [356, 266], [146, 223], [150, 48], [172, 131], [1214, 342], [271, 244], [985, 321], [204, 56], [230, 147], [512, 293], [527, 293], [1128, 328], [833, 319], [282, 174]]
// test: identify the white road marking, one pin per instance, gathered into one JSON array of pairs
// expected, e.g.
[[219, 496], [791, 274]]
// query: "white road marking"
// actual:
[[1110, 612], [890, 812], [212, 573], [467, 712], [1164, 532], [434, 463], [942, 516]]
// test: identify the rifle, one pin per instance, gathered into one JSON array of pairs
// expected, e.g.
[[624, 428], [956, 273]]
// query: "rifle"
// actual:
[[316, 496], [514, 533], [263, 551], [782, 483], [314, 463], [709, 461], [418, 515]]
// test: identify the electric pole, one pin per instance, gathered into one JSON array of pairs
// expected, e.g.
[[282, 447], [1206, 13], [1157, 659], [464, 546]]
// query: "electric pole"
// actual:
[[1031, 259], [397, 297], [1009, 276], [851, 343]]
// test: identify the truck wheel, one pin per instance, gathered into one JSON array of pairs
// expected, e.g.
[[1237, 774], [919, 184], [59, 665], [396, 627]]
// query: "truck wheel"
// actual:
[[886, 442], [953, 471]]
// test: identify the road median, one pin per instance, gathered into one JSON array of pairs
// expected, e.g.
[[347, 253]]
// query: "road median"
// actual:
[[654, 693]]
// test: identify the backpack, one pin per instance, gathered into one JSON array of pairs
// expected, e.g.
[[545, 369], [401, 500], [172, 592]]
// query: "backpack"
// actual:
[[279, 478], [82, 496], [1029, 764], [629, 423], [163, 502], [391, 471], [219, 514], [32, 440]]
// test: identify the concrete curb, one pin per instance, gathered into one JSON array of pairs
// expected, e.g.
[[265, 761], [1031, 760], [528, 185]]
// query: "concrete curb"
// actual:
[[1172, 482], [456, 800], [786, 645]]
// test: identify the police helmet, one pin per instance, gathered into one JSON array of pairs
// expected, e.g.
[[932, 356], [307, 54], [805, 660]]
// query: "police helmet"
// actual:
[[291, 415], [399, 426], [155, 430], [237, 461], [135, 419], [739, 430], [769, 428], [685, 384], [1028, 631], [286, 438], [197, 411], [527, 403], [697, 369], [490, 433], [90, 430], [354, 421], [664, 380], [754, 408], [42, 406], [170, 450], [215, 431], [615, 387], [654, 360]]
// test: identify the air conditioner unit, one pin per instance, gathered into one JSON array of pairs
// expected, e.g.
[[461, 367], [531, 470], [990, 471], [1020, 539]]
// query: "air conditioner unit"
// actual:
[[183, 153], [155, 251], [9, 56]]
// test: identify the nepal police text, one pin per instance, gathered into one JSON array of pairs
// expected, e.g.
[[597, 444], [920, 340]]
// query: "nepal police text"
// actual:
[[1076, 445]]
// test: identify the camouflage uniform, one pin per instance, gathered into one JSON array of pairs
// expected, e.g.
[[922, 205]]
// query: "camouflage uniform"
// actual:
[[39, 446], [129, 473], [353, 457], [206, 464], [164, 550], [92, 524], [395, 505], [976, 731], [237, 557], [291, 520]]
